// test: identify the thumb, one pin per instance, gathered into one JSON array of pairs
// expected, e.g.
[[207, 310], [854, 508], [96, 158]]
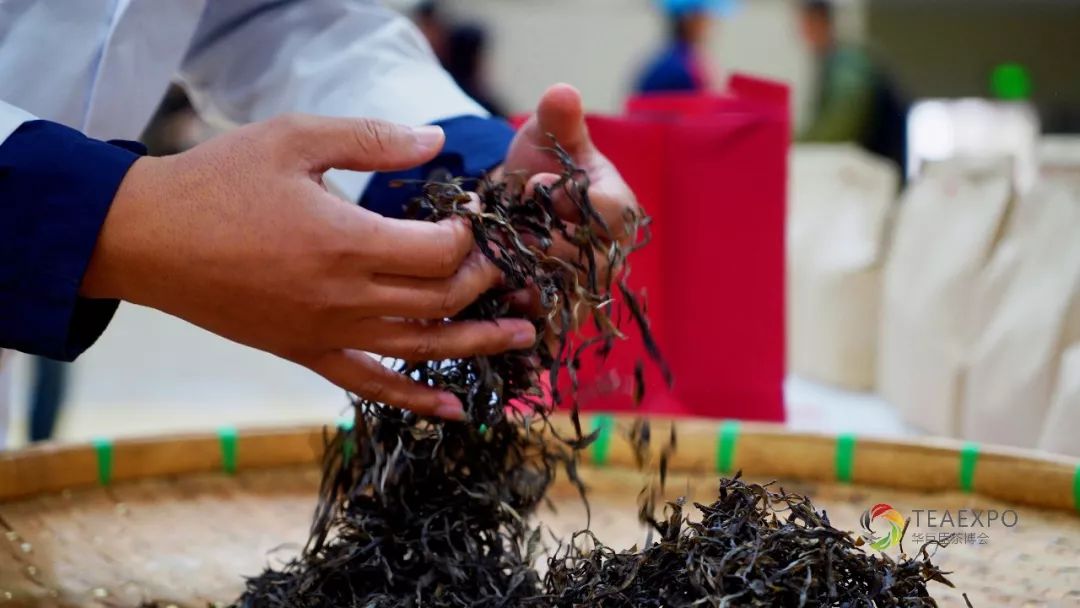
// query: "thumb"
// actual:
[[562, 114], [361, 144]]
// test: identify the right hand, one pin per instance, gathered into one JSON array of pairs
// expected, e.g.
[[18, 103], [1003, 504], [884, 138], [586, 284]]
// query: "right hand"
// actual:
[[239, 236]]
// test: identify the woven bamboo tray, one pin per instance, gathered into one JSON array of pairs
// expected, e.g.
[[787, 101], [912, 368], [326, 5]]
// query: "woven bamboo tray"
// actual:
[[181, 520]]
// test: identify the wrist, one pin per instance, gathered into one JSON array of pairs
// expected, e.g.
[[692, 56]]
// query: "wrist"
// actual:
[[110, 273]]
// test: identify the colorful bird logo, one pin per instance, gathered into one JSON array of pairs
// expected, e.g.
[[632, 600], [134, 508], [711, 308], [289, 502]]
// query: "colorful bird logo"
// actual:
[[890, 515]]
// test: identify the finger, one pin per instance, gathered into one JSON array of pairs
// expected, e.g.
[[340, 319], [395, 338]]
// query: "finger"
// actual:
[[569, 252], [416, 341], [400, 296], [526, 301], [417, 248], [611, 199], [561, 114], [612, 202], [358, 372], [360, 144], [561, 202]]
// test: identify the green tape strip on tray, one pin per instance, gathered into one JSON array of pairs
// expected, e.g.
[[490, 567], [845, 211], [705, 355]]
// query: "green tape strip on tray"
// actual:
[[227, 435], [1076, 489], [104, 450], [603, 425], [348, 445], [845, 457], [969, 458], [726, 441]]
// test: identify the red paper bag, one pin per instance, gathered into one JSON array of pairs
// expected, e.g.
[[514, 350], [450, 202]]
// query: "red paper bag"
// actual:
[[712, 172]]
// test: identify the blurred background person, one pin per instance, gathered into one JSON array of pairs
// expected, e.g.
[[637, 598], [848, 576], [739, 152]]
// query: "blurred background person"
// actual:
[[47, 397], [683, 64], [431, 23], [466, 60], [462, 49], [176, 125], [856, 100]]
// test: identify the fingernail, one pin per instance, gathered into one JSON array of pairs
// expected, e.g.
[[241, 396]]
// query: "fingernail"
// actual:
[[428, 137], [449, 408], [524, 337]]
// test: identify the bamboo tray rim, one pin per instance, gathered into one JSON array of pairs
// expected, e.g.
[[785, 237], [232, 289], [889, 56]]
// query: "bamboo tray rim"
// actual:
[[1025, 476]]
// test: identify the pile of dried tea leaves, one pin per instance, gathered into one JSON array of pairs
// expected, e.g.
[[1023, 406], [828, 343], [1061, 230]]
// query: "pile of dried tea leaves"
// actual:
[[422, 512], [754, 546]]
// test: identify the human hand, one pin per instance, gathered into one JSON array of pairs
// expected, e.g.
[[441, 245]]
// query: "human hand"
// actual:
[[240, 236], [560, 114]]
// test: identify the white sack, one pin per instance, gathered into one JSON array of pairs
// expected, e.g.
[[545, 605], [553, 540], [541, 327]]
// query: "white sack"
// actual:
[[840, 202], [948, 224], [1016, 360], [1061, 429]]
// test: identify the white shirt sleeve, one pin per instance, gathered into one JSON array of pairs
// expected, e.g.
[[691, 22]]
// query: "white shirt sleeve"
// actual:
[[251, 60], [11, 118]]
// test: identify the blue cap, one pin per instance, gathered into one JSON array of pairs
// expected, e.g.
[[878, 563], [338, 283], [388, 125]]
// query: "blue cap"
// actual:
[[680, 7]]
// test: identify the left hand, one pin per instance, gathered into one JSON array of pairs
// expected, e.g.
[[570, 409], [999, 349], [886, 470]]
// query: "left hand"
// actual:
[[560, 113]]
